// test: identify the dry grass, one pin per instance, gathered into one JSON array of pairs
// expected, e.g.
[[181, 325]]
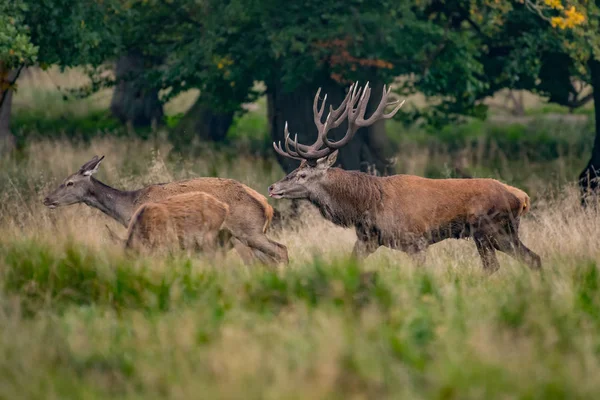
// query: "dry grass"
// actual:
[[555, 217], [82, 319]]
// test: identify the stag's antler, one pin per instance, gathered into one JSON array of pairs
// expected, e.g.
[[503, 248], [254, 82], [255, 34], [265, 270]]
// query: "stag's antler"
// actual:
[[353, 109]]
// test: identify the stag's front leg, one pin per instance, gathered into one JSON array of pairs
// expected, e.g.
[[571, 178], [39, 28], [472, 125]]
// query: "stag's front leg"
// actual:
[[363, 248], [487, 253], [417, 251], [365, 243], [418, 257]]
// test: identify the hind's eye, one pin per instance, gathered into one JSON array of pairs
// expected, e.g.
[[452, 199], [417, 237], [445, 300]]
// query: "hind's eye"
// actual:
[[69, 183]]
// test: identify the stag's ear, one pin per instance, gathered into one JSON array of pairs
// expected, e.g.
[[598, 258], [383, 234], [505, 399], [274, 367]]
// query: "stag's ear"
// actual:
[[327, 161], [91, 167]]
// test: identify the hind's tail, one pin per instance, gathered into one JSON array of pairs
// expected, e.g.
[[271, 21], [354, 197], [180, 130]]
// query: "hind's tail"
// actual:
[[262, 200]]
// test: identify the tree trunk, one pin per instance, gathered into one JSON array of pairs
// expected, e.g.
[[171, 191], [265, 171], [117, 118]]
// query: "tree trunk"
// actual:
[[588, 179], [369, 146], [7, 140], [203, 122], [134, 101]]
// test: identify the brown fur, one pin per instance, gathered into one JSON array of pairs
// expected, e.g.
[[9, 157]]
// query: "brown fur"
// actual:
[[523, 198], [269, 211], [190, 220], [409, 213], [245, 225], [402, 212], [421, 204], [249, 213]]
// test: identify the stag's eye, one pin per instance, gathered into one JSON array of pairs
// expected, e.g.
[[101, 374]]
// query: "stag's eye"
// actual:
[[69, 183], [302, 175]]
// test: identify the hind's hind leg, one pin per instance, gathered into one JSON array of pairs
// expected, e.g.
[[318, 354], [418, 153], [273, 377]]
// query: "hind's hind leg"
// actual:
[[270, 248]]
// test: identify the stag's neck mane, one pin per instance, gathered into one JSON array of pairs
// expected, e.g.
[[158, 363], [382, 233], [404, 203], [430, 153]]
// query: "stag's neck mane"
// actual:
[[117, 204], [347, 196]]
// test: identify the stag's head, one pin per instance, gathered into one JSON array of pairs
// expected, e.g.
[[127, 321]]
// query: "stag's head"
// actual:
[[318, 158], [76, 188]]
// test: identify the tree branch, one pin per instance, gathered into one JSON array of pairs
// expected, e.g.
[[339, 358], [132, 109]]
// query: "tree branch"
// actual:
[[581, 102], [10, 83]]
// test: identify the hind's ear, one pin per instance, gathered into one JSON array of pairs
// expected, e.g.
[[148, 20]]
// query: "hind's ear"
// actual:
[[91, 167]]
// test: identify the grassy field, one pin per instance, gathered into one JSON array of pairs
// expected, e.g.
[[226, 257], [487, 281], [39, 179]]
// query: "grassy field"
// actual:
[[82, 319]]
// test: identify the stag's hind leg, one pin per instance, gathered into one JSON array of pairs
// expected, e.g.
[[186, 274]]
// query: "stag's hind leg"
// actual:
[[485, 247], [508, 242], [515, 248]]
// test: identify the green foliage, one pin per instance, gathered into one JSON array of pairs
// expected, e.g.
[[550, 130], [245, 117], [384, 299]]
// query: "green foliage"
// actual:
[[454, 53], [102, 324], [56, 32], [71, 33], [29, 125], [223, 48], [81, 318], [15, 36]]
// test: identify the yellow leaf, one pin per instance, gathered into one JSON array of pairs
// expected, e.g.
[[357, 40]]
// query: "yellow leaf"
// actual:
[[555, 4]]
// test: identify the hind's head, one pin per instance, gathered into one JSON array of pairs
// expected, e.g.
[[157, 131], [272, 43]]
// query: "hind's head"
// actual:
[[76, 187]]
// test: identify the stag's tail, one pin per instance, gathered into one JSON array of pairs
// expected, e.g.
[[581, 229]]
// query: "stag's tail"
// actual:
[[523, 199]]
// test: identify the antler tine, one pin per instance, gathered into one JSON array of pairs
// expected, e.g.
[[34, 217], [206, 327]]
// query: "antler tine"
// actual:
[[339, 114], [336, 118], [361, 96], [314, 152], [318, 113], [352, 108], [395, 110], [289, 152], [287, 143], [281, 152], [379, 113]]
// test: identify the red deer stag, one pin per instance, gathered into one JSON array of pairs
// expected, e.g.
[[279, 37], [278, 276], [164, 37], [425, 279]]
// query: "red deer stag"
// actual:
[[188, 221], [402, 212], [247, 221]]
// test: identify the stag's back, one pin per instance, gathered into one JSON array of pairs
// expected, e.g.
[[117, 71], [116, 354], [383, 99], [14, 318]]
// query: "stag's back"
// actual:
[[426, 203]]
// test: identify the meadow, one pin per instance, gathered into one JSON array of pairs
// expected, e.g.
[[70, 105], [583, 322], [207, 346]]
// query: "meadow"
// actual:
[[80, 318]]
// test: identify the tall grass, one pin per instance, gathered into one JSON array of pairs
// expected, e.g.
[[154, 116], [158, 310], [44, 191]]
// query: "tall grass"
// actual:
[[80, 318]]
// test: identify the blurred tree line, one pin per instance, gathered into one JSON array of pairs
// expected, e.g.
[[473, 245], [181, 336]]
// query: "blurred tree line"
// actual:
[[455, 53]]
